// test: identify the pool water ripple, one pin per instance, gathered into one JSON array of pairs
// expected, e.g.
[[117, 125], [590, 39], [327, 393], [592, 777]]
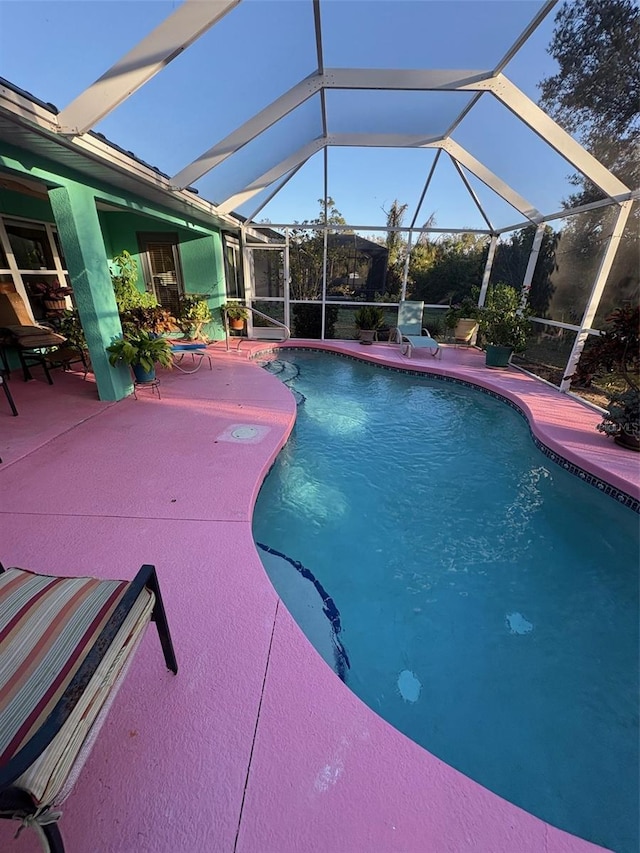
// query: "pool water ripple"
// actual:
[[488, 599]]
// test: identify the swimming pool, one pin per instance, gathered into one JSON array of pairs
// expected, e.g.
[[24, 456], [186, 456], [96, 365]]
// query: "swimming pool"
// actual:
[[470, 591]]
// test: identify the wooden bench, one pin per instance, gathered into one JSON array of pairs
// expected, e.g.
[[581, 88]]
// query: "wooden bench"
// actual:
[[65, 647]]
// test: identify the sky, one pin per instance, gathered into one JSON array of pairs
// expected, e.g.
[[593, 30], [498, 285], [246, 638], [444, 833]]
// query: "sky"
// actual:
[[56, 48]]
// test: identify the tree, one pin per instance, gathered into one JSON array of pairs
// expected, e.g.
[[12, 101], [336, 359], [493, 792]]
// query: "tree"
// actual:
[[396, 251], [596, 93], [446, 270], [596, 96]]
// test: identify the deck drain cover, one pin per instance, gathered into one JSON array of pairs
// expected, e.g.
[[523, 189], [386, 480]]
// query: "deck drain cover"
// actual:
[[244, 432]]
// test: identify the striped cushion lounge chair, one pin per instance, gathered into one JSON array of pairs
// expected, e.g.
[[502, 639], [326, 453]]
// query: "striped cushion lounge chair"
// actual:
[[65, 647]]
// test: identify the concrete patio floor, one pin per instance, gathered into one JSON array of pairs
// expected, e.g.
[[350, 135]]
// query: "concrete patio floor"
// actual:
[[255, 746]]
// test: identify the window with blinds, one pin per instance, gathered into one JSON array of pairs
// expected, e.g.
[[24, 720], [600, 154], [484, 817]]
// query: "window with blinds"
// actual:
[[161, 266]]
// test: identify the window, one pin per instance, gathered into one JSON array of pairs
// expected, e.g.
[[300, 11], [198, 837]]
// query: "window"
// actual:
[[233, 267], [29, 257], [161, 268], [30, 246]]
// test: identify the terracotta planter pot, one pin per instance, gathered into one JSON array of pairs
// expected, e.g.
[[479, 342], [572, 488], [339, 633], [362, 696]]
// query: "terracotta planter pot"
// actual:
[[237, 325]]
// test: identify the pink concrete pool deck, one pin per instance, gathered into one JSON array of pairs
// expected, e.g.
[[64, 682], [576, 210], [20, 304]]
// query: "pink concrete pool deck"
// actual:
[[256, 746]]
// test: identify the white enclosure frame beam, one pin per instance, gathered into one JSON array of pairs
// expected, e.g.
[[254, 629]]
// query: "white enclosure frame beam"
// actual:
[[377, 228], [525, 35], [274, 193], [297, 159], [419, 80], [260, 122], [169, 39], [406, 79], [317, 27], [531, 264], [550, 131], [471, 192], [405, 271], [426, 186], [599, 283], [487, 270], [492, 181], [286, 276], [456, 151], [325, 232], [334, 78], [383, 140], [572, 211]]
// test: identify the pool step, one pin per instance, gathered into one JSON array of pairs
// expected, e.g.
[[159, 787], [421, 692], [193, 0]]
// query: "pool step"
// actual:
[[310, 605], [286, 373]]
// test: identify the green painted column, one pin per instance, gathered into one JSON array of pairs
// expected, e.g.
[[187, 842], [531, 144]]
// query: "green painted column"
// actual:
[[74, 209]]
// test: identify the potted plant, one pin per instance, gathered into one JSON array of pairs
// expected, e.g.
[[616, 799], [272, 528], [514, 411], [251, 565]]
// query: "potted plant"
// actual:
[[192, 314], [54, 295], [462, 321], [622, 419], [236, 315], [368, 320], [154, 319], [504, 325], [141, 351]]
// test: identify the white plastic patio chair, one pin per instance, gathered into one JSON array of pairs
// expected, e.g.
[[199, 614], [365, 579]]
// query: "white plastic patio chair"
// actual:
[[410, 334]]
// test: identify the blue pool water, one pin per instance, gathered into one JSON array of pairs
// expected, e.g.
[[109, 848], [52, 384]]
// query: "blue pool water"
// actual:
[[473, 593]]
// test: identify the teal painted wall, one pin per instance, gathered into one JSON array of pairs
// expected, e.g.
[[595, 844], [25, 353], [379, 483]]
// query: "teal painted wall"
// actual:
[[16, 204], [200, 247], [201, 256]]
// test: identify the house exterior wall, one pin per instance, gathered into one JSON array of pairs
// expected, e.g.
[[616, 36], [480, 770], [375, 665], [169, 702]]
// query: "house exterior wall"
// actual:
[[201, 257], [87, 233]]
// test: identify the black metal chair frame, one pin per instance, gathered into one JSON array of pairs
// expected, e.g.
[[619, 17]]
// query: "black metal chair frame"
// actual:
[[8, 394], [72, 355], [16, 803], [43, 356], [29, 358]]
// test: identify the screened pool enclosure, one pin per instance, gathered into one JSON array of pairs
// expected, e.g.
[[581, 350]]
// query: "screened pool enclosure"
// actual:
[[341, 147]]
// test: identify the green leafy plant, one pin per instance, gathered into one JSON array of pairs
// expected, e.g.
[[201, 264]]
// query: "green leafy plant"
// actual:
[[369, 317], [504, 322], [617, 352], [141, 348], [623, 415], [70, 327], [234, 311], [154, 319], [124, 276], [467, 309], [192, 314]]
